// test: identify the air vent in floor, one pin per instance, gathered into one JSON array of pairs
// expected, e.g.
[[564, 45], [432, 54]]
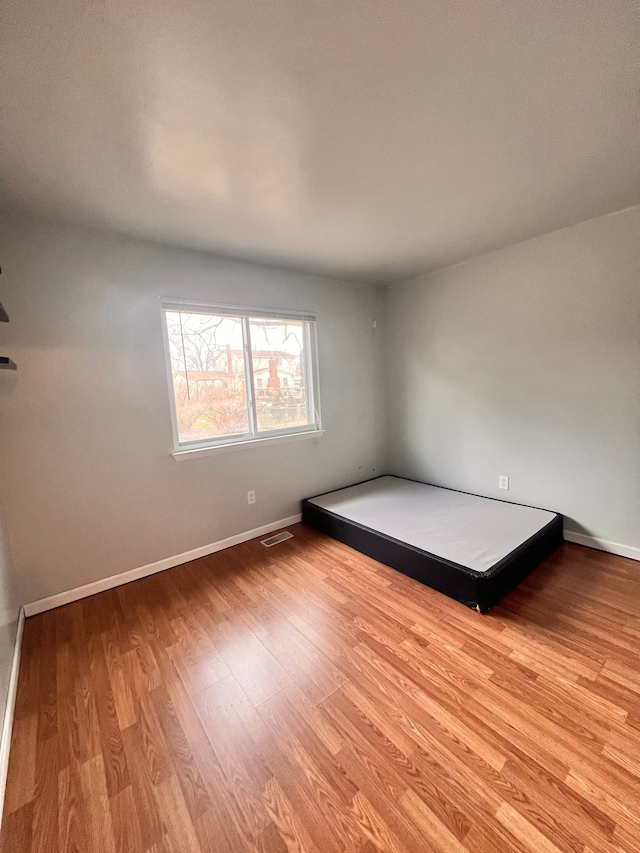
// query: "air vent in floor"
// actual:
[[274, 540]]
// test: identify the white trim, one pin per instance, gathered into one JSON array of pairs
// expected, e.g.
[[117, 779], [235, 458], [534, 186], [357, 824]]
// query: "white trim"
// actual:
[[250, 387], [602, 544], [7, 724], [182, 455], [143, 571], [170, 386]]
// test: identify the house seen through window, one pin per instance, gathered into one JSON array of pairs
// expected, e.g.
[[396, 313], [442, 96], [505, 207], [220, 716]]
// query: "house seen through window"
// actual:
[[239, 376]]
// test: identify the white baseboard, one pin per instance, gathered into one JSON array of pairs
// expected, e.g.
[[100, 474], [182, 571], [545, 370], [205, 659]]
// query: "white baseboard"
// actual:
[[7, 724], [126, 577], [602, 544]]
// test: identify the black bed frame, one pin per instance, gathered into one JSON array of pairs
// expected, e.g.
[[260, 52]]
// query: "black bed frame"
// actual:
[[479, 590]]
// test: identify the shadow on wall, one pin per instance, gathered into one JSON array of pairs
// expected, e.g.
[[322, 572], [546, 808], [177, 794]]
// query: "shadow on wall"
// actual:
[[574, 526]]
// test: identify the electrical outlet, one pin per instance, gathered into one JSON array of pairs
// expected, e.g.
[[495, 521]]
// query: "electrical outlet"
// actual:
[[503, 483], [251, 497]]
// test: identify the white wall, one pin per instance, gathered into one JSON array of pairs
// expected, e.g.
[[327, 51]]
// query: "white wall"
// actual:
[[526, 362], [89, 486]]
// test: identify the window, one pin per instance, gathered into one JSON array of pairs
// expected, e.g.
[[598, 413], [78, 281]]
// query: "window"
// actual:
[[238, 376]]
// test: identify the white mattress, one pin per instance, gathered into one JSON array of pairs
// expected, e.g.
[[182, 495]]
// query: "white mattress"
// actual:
[[466, 529]]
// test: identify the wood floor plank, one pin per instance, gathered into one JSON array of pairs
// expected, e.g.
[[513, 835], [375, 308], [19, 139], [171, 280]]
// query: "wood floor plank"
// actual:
[[181, 833], [45, 830], [72, 836], [234, 726], [310, 699], [122, 686], [289, 826], [17, 830], [314, 803], [236, 759], [188, 774], [124, 819], [150, 817], [21, 778], [524, 831], [571, 812], [295, 737], [96, 813], [253, 666], [115, 761], [441, 839], [376, 829]]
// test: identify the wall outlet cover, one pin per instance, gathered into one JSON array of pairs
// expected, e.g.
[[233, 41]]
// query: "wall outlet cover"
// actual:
[[503, 482]]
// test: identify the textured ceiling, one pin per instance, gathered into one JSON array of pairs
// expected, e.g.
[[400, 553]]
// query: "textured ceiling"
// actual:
[[368, 140]]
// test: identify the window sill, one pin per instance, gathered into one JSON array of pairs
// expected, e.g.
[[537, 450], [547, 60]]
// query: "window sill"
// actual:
[[183, 455]]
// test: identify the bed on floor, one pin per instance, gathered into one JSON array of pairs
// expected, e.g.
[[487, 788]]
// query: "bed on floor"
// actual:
[[470, 548]]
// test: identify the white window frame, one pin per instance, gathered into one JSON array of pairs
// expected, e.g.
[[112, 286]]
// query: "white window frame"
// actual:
[[253, 438]]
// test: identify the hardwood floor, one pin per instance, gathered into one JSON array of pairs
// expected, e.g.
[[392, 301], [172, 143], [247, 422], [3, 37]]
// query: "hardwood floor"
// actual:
[[307, 698]]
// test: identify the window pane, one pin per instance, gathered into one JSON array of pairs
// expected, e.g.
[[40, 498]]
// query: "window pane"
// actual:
[[207, 367], [277, 351]]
